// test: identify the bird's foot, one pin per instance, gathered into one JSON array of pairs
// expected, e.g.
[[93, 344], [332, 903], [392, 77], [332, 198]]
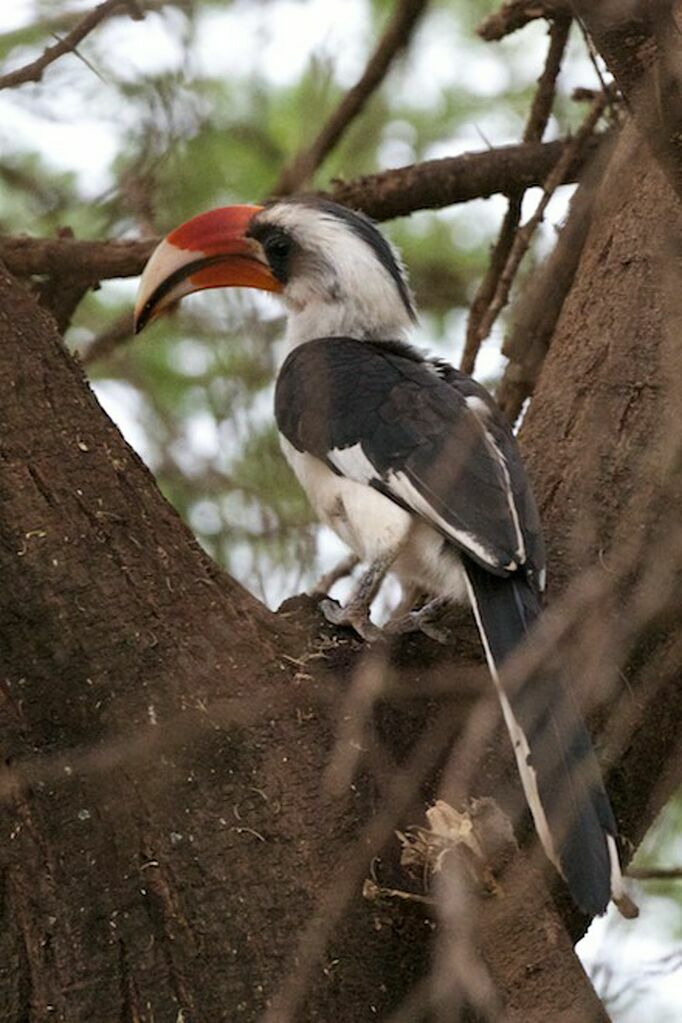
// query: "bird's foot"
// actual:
[[353, 616], [426, 620]]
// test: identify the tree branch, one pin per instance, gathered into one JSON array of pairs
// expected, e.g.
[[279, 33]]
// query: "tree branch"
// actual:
[[33, 72], [655, 873], [539, 115], [434, 184], [523, 236], [536, 310], [514, 14], [395, 193], [394, 40]]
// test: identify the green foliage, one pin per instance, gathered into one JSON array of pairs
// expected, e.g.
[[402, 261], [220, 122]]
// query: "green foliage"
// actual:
[[192, 132]]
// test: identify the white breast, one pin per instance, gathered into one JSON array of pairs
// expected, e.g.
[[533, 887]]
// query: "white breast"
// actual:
[[371, 525], [367, 521]]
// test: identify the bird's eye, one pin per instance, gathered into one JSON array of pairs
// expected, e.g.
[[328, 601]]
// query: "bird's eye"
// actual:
[[277, 248]]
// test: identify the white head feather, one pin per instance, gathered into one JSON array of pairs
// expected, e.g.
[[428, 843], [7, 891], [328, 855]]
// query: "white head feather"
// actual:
[[339, 285]]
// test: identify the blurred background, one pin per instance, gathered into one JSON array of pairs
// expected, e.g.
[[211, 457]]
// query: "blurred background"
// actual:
[[201, 104]]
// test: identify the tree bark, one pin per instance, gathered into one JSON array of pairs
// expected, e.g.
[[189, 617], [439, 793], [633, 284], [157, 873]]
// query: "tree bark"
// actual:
[[169, 849], [603, 447]]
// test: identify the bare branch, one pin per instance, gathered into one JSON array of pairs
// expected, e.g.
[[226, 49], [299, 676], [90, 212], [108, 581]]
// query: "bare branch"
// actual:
[[90, 261], [429, 185], [33, 72], [538, 117], [434, 184], [117, 332], [514, 14], [524, 235], [535, 313], [655, 873], [394, 40]]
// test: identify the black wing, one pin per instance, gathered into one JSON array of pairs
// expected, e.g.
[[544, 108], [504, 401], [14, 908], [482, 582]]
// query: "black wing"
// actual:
[[433, 440], [428, 437]]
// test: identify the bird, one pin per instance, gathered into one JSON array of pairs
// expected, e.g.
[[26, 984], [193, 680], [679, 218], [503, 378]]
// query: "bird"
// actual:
[[411, 463]]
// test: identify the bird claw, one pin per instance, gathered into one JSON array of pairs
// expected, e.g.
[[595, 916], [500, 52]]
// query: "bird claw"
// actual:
[[351, 617], [422, 620]]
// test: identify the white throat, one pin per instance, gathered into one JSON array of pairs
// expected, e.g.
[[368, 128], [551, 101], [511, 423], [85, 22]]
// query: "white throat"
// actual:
[[319, 318]]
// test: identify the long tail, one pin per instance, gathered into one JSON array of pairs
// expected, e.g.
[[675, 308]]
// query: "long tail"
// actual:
[[554, 754]]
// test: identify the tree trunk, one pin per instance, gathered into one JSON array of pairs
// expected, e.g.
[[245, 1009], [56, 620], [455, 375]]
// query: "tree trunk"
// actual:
[[175, 845]]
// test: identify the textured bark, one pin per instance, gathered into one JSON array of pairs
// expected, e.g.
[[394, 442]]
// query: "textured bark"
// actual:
[[168, 844], [166, 834], [641, 42], [603, 447]]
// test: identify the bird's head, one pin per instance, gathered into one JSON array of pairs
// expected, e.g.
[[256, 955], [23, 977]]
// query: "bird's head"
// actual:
[[335, 271]]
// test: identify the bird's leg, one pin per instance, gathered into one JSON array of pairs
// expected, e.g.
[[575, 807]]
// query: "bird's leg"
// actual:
[[425, 620], [355, 612], [340, 571]]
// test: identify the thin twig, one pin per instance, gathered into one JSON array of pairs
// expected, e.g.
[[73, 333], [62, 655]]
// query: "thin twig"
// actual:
[[655, 873], [102, 345], [33, 72], [525, 234], [536, 124], [394, 40]]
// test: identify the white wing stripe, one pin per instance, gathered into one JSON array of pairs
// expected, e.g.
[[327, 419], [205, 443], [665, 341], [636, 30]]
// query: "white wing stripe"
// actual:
[[406, 491], [482, 413], [353, 463]]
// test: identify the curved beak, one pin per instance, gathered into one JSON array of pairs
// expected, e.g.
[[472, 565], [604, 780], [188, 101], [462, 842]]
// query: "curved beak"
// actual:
[[211, 250]]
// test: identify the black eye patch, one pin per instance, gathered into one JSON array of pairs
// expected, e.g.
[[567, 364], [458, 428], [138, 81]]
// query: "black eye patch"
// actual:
[[278, 246]]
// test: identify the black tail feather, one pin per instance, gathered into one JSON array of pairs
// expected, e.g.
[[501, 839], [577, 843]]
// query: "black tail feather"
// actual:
[[558, 767]]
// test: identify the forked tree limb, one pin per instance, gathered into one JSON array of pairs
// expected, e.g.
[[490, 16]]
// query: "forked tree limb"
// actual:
[[515, 14], [167, 896]]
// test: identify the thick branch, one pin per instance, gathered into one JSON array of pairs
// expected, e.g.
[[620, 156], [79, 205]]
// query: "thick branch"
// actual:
[[641, 42], [434, 184], [429, 185], [33, 72], [395, 39]]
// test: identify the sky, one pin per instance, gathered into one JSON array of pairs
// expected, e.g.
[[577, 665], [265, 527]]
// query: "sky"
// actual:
[[279, 42]]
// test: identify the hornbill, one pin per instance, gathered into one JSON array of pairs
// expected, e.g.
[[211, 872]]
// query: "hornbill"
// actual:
[[412, 464]]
